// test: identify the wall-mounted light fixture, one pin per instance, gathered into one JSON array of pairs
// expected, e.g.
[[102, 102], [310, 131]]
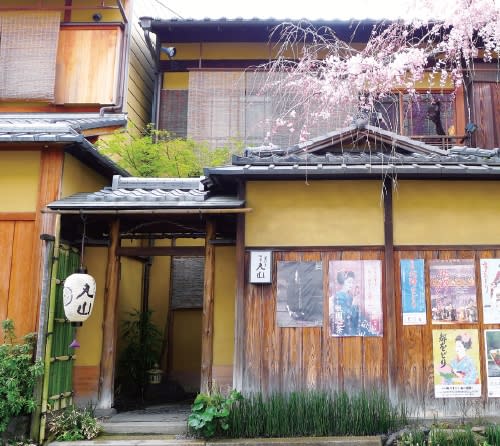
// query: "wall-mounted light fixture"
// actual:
[[169, 51]]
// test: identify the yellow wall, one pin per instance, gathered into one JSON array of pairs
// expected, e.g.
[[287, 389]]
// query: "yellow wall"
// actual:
[[77, 177], [19, 178], [225, 290], [108, 15], [186, 354], [321, 213], [90, 333], [175, 81], [446, 213], [159, 287]]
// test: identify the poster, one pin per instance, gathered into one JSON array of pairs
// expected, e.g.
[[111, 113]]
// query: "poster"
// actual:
[[299, 294], [413, 292], [490, 285], [355, 298], [453, 291], [492, 355], [456, 363]]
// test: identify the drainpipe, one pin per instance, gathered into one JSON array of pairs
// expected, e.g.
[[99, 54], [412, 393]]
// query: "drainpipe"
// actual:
[[50, 329], [155, 55], [124, 58]]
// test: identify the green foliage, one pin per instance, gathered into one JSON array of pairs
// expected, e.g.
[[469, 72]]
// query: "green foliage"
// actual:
[[210, 413], [315, 414], [73, 424], [412, 438], [142, 350], [493, 434], [158, 153], [18, 375]]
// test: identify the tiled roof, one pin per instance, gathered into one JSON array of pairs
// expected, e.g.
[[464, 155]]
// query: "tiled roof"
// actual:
[[148, 193], [53, 127]]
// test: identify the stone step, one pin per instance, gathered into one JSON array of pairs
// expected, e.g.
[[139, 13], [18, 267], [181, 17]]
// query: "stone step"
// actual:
[[145, 427], [163, 441]]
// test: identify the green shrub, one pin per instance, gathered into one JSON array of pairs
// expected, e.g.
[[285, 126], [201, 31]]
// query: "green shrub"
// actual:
[[210, 413], [73, 424], [315, 414], [18, 375], [493, 434]]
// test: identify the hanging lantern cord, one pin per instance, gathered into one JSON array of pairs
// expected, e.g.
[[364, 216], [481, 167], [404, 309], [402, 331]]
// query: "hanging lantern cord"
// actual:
[[84, 235]]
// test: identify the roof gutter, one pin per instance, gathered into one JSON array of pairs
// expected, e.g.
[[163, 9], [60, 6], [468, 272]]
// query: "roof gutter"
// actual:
[[146, 211]]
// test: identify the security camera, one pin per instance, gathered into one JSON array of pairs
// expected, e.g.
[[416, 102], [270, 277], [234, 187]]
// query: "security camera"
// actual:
[[97, 17]]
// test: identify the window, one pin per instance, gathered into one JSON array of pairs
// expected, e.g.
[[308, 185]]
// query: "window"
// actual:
[[28, 49]]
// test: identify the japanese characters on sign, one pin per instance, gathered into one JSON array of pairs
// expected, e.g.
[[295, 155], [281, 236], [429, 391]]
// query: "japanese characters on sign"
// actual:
[[260, 266]]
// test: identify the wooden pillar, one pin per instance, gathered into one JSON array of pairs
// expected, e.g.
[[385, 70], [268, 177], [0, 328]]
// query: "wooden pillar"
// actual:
[[207, 324], [239, 316], [110, 320], [390, 305]]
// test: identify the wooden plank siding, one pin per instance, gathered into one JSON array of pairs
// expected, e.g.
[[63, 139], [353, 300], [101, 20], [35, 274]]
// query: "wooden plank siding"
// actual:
[[486, 106], [285, 359]]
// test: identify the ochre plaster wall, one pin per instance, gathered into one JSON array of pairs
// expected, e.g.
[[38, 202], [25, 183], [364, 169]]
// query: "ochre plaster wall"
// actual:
[[318, 213], [225, 290], [19, 175], [77, 177], [446, 212]]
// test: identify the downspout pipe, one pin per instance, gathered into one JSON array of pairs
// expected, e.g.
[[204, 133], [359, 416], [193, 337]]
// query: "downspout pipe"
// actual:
[[145, 23], [124, 58]]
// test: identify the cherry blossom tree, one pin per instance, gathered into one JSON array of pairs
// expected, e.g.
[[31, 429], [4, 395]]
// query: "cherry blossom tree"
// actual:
[[316, 73]]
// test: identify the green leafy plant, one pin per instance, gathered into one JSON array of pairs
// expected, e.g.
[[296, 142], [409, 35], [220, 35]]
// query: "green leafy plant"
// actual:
[[18, 375], [142, 349], [315, 414], [493, 434], [159, 153], [73, 424], [210, 413]]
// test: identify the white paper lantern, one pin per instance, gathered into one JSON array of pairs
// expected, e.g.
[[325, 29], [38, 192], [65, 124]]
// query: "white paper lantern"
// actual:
[[78, 297]]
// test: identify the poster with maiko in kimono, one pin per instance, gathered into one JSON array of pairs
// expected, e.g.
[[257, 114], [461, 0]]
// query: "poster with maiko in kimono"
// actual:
[[492, 355], [355, 298], [457, 371]]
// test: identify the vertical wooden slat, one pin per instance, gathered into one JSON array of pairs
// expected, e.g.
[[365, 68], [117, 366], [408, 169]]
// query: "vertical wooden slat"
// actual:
[[351, 348], [239, 317], [207, 336], [6, 246], [49, 189], [390, 314], [331, 370], [21, 289], [253, 352], [110, 321]]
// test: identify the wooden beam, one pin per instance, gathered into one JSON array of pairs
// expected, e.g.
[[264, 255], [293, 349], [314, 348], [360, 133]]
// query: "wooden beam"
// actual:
[[179, 251], [207, 324], [239, 316], [390, 343], [110, 321], [17, 216]]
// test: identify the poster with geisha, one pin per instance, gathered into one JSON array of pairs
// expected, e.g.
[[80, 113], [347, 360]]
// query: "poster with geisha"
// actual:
[[490, 285], [492, 355], [456, 363], [355, 298], [413, 292], [453, 291]]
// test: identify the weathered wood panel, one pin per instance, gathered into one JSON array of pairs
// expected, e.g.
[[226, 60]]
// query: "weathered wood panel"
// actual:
[[293, 358], [87, 65], [21, 288], [486, 106], [6, 246]]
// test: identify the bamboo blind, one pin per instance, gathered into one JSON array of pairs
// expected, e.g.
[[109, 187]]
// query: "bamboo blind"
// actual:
[[28, 48], [224, 107]]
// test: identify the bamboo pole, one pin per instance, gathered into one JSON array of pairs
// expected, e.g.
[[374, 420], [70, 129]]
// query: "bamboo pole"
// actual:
[[50, 328], [207, 334]]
